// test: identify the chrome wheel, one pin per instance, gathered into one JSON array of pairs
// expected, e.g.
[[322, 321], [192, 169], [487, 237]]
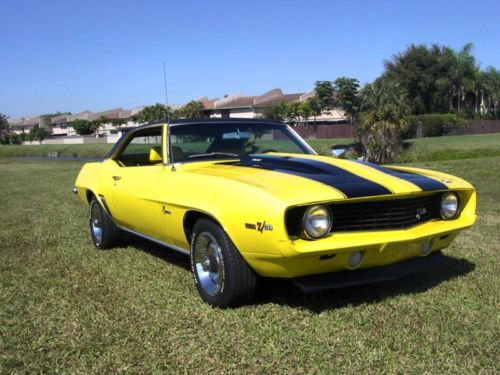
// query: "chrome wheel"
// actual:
[[209, 264], [96, 223]]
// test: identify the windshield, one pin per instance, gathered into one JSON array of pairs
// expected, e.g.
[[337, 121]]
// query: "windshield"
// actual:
[[232, 140]]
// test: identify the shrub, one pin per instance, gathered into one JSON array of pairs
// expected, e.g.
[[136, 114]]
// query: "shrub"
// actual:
[[434, 125]]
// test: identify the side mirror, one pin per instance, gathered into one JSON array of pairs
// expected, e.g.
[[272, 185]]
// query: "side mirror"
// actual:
[[155, 154], [338, 150]]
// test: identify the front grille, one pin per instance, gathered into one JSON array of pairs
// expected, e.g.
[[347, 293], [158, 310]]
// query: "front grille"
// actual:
[[386, 214], [374, 215]]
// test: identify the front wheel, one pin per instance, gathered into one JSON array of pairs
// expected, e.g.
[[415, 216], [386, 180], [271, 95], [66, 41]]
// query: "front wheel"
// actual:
[[222, 276], [105, 234]]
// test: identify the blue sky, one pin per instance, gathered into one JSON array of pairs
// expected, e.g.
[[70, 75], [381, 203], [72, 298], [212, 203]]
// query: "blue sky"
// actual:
[[77, 55]]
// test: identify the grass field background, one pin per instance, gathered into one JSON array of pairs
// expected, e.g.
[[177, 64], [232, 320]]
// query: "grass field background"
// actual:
[[416, 150], [67, 307]]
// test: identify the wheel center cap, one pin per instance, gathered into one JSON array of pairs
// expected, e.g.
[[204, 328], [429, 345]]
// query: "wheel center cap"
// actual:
[[205, 264]]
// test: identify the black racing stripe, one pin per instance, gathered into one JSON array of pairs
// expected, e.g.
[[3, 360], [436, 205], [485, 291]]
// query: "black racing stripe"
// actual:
[[423, 182], [351, 185]]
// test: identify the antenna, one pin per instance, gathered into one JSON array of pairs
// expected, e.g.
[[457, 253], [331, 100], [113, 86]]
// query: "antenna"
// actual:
[[166, 91]]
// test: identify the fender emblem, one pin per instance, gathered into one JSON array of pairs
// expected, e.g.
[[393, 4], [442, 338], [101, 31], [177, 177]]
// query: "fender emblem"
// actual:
[[260, 226]]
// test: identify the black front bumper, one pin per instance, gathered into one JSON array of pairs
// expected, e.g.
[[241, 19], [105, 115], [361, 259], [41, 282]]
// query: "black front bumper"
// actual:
[[342, 279]]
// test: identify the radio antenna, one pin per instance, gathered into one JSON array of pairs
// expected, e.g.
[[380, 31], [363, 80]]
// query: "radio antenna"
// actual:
[[166, 91]]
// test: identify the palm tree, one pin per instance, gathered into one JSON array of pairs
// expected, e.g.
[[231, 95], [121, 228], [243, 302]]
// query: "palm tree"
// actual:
[[462, 72], [491, 84], [383, 117]]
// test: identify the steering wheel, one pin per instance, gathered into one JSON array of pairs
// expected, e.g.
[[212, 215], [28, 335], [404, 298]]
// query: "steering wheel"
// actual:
[[268, 150]]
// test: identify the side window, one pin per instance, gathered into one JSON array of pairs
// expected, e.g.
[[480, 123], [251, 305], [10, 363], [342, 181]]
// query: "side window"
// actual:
[[143, 149]]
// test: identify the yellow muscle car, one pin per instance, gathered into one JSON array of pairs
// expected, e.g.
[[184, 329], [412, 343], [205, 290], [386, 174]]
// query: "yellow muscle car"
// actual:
[[248, 198]]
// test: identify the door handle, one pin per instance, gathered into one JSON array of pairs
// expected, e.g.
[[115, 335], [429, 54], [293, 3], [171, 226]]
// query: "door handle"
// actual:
[[116, 178]]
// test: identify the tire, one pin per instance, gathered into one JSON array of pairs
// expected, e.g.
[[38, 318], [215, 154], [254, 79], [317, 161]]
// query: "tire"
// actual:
[[221, 275], [105, 234]]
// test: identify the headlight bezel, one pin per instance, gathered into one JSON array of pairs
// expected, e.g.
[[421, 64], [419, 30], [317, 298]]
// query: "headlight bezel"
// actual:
[[441, 202], [305, 216]]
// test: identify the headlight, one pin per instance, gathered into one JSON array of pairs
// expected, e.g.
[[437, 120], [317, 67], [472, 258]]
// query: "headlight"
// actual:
[[449, 205], [317, 221]]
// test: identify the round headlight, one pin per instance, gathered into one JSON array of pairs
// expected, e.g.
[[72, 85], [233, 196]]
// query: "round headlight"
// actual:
[[449, 205], [317, 221]]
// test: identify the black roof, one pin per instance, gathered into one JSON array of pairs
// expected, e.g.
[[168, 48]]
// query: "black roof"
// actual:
[[201, 121]]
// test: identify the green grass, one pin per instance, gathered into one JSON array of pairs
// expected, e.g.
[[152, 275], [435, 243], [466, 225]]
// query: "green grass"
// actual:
[[67, 307], [88, 150], [452, 147], [418, 150]]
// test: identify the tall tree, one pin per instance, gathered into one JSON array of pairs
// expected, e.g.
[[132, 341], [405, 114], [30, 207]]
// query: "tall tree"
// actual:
[[96, 124], [324, 94], [461, 73], [491, 85], [347, 96], [193, 109], [422, 72], [153, 113], [384, 115], [4, 128], [82, 127]]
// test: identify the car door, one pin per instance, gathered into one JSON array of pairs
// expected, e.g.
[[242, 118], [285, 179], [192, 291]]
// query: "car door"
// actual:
[[136, 182]]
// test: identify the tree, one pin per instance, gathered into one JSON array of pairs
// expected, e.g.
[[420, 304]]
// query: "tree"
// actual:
[[324, 94], [193, 109], [461, 73], [118, 122], [38, 133], [154, 113], [347, 96], [4, 128], [491, 87], [82, 127], [306, 110], [384, 115], [96, 124], [422, 72], [277, 112]]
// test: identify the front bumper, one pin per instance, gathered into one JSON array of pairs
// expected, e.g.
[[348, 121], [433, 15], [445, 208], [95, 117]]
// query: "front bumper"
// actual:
[[382, 248], [342, 279]]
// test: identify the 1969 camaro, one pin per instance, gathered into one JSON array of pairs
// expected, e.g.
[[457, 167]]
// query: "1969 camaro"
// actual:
[[248, 198]]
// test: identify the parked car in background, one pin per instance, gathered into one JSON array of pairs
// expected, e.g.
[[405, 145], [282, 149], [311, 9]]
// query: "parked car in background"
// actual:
[[246, 199]]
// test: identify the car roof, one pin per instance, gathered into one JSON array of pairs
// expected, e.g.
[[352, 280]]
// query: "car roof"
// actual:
[[205, 121]]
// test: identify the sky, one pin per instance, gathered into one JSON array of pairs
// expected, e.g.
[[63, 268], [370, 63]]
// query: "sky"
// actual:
[[68, 55]]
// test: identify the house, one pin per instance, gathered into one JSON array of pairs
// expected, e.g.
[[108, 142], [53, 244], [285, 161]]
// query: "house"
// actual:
[[59, 125], [239, 106], [24, 125]]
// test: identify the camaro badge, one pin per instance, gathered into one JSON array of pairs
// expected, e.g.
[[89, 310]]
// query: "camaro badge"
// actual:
[[261, 226], [420, 211]]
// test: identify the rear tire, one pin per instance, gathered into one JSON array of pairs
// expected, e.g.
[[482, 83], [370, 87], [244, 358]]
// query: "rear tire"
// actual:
[[105, 234], [221, 275]]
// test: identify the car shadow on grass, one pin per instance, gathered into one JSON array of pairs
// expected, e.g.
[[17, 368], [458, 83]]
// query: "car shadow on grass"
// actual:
[[284, 293], [168, 255]]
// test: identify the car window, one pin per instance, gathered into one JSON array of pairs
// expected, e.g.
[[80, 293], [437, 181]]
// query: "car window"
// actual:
[[224, 140], [138, 149]]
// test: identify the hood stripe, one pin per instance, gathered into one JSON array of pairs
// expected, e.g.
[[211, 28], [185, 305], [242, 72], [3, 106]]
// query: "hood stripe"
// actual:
[[423, 182], [351, 185]]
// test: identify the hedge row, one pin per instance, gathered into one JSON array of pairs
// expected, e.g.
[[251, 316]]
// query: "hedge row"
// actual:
[[433, 125]]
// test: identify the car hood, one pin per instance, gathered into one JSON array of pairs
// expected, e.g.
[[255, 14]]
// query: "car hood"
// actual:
[[299, 179]]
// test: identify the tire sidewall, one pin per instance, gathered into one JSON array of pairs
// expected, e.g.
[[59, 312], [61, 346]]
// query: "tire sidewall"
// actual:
[[223, 296], [96, 244]]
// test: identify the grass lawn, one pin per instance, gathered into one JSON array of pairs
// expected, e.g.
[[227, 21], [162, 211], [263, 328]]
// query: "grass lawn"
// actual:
[[417, 150], [67, 307]]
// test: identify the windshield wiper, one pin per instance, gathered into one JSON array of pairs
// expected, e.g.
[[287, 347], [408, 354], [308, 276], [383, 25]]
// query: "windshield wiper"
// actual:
[[213, 154]]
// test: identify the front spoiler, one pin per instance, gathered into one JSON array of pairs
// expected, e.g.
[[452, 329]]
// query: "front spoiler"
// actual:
[[342, 279]]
